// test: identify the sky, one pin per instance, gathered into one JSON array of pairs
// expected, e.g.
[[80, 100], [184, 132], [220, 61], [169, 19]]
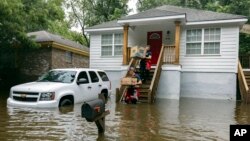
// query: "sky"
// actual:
[[132, 5]]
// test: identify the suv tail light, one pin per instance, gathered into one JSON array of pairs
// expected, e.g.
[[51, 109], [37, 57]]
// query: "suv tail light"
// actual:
[[110, 85]]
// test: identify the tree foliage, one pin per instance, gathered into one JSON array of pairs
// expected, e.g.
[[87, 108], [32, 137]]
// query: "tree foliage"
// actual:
[[244, 44], [18, 17], [87, 13], [40, 14], [12, 24]]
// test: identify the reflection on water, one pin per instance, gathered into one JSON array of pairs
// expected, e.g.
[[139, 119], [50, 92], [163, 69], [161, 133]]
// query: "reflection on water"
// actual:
[[187, 119]]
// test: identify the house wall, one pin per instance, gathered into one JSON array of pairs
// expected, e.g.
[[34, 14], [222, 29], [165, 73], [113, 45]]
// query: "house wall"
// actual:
[[99, 62], [201, 76], [225, 62], [208, 85], [59, 60], [138, 35], [34, 63]]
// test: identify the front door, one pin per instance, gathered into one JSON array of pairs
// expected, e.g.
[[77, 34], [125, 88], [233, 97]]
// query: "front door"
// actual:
[[155, 41]]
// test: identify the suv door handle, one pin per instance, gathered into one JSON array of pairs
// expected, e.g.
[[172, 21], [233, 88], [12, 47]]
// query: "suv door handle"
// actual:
[[99, 85], [89, 87]]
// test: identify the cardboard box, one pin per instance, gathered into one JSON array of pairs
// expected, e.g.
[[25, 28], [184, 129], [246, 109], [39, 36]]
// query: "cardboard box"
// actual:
[[137, 51], [128, 81]]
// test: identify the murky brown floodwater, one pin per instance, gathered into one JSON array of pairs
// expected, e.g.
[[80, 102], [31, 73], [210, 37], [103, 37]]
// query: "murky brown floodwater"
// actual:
[[187, 119]]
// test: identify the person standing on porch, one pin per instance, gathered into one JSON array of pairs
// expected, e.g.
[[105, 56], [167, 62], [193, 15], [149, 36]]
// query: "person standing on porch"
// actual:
[[145, 64]]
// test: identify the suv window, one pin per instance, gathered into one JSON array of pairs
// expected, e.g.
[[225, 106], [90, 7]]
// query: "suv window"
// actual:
[[84, 75], [103, 76], [93, 76], [58, 76]]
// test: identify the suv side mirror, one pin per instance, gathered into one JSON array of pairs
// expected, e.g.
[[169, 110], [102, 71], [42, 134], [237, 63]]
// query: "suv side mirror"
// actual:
[[82, 81]]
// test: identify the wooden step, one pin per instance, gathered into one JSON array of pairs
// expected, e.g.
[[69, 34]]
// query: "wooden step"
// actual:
[[247, 72], [144, 86], [144, 90], [247, 77], [143, 96], [143, 100]]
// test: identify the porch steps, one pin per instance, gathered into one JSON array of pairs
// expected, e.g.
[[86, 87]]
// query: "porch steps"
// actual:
[[244, 83], [247, 76], [149, 88], [144, 88]]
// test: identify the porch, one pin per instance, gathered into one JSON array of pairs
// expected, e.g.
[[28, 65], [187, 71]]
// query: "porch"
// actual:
[[167, 54], [170, 42]]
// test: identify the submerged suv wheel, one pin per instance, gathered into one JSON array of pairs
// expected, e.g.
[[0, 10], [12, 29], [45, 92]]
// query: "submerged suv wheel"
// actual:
[[65, 102]]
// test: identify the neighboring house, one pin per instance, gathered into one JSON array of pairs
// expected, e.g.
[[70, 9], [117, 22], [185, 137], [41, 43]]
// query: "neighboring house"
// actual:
[[204, 48], [55, 52]]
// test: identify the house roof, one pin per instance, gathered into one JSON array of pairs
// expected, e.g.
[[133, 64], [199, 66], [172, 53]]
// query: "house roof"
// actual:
[[191, 15], [44, 36], [106, 25]]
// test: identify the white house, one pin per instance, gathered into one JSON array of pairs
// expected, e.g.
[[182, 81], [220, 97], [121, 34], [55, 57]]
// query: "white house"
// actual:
[[204, 47]]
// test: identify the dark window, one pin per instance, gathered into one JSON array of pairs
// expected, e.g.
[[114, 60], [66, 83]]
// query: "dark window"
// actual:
[[83, 75], [93, 76], [103, 76]]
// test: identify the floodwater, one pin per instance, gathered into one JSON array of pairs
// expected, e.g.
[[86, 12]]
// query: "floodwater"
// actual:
[[187, 119]]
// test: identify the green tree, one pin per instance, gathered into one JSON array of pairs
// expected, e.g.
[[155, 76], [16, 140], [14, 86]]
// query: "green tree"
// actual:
[[12, 24], [92, 12], [62, 28], [143, 5], [40, 14]]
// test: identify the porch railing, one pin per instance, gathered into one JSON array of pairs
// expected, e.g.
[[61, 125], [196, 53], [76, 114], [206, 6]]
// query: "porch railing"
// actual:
[[156, 78], [244, 89], [121, 90], [169, 54]]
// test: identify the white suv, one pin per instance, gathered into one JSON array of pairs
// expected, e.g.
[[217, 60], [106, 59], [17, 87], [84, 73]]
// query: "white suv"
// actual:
[[60, 87]]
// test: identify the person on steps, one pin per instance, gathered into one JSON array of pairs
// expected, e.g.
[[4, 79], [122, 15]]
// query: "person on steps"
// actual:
[[132, 93], [145, 64]]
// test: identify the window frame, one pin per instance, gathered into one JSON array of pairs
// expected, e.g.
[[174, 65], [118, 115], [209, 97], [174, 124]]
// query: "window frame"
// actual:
[[113, 45], [203, 42]]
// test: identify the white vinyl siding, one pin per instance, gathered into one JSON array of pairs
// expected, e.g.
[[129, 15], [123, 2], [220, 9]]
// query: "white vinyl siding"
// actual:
[[225, 61], [204, 41], [111, 44], [102, 62]]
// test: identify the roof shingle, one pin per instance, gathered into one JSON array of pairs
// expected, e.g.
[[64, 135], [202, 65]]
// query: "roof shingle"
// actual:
[[192, 15], [44, 36]]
